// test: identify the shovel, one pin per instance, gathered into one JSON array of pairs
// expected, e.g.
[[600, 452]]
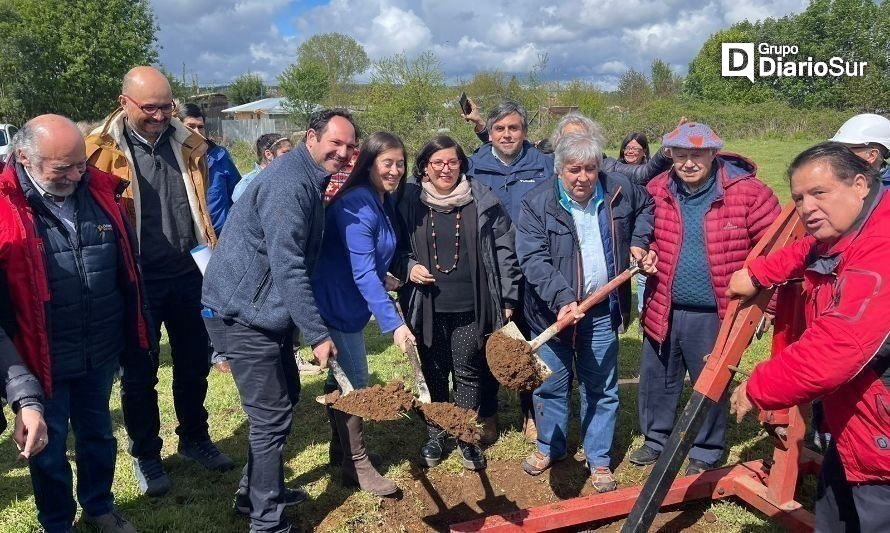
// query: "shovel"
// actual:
[[510, 330], [341, 379], [423, 391]]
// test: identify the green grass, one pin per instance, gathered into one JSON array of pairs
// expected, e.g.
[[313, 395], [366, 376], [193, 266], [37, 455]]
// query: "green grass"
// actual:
[[201, 501]]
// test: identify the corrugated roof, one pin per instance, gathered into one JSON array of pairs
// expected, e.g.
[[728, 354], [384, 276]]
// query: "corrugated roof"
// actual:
[[270, 106]]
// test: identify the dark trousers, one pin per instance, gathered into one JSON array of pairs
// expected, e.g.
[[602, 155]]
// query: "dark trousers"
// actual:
[[844, 507], [84, 402], [268, 382], [176, 303], [662, 374], [454, 351]]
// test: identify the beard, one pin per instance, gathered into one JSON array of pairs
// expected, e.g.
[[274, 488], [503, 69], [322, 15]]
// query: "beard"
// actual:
[[61, 187]]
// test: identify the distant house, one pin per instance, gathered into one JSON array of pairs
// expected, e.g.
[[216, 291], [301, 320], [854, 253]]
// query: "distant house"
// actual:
[[273, 108], [248, 121], [211, 103]]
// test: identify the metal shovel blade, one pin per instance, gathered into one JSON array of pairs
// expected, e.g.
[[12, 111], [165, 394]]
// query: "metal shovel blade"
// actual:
[[510, 330]]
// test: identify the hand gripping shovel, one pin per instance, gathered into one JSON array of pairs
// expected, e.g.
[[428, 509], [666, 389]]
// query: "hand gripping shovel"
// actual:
[[515, 362]]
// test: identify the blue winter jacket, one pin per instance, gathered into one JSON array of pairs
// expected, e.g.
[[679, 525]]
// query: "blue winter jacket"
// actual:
[[358, 245], [259, 273], [223, 178], [550, 256], [511, 183]]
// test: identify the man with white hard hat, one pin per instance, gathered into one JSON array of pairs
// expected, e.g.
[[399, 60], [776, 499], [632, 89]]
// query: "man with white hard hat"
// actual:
[[868, 136]]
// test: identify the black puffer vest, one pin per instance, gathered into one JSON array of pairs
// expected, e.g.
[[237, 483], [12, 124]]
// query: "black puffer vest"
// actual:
[[86, 307]]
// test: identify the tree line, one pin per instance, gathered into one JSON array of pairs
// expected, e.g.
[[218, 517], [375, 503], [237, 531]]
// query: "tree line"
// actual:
[[68, 56]]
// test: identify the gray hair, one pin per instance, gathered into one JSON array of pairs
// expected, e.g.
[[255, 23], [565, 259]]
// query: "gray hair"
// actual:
[[505, 108], [25, 140], [591, 128], [578, 147]]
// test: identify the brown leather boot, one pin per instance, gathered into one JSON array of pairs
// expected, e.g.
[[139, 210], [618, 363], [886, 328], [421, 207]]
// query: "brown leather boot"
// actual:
[[335, 451], [357, 468]]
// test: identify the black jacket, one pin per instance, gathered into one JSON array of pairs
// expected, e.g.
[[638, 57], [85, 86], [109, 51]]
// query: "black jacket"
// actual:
[[496, 255]]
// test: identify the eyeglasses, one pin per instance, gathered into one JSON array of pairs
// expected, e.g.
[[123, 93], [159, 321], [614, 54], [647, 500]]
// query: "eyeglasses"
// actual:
[[151, 109], [630, 149], [454, 164]]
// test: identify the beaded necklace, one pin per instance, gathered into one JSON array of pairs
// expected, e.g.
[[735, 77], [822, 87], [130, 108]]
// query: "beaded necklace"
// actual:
[[456, 243]]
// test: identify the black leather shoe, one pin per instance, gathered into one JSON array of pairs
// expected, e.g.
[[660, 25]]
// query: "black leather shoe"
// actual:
[[471, 456], [432, 451], [697, 467], [643, 456]]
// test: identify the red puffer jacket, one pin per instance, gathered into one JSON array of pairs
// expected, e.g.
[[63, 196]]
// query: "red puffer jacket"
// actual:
[[740, 214], [23, 263], [844, 352]]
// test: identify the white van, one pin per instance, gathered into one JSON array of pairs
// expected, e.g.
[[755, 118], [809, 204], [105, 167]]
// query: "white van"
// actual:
[[6, 133]]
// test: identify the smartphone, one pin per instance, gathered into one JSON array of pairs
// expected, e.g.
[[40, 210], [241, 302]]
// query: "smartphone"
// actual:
[[465, 104]]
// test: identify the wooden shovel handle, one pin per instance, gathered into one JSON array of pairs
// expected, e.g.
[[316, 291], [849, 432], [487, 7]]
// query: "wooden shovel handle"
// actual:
[[598, 296], [340, 377]]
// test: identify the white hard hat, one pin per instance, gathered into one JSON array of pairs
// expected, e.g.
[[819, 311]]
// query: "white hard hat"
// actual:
[[864, 129]]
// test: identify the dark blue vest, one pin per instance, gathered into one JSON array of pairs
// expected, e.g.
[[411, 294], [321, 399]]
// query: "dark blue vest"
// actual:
[[86, 307]]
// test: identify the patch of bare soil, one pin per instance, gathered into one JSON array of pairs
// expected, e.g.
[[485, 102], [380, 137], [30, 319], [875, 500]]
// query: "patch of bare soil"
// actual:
[[458, 422], [512, 363], [433, 500]]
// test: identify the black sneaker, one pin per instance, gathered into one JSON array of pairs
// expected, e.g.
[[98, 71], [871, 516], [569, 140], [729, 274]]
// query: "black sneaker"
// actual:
[[471, 456], [644, 455], [150, 476], [206, 454], [291, 497], [431, 453], [697, 467]]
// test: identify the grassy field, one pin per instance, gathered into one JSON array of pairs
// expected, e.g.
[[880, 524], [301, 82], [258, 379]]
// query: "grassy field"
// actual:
[[201, 501]]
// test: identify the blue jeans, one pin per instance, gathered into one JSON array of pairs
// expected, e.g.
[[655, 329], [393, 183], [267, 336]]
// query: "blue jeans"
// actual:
[[595, 359], [352, 357], [83, 401]]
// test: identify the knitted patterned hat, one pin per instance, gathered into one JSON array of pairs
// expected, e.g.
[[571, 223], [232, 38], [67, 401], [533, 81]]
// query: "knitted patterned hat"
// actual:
[[692, 135]]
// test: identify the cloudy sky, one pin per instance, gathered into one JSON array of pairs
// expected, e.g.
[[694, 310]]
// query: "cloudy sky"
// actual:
[[596, 40]]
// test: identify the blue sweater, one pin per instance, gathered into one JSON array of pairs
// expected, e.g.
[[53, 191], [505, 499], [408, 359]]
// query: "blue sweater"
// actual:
[[357, 248], [692, 285]]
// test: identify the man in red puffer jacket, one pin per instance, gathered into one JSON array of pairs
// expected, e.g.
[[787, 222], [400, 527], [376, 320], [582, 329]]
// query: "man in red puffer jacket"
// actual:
[[843, 356], [710, 211]]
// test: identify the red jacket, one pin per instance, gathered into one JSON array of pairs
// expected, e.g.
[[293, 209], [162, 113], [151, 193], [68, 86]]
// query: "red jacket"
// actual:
[[740, 214], [844, 351], [23, 263]]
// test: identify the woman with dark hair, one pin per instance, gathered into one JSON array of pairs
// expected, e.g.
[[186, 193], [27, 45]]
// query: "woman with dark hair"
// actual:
[[350, 284], [462, 278], [634, 149]]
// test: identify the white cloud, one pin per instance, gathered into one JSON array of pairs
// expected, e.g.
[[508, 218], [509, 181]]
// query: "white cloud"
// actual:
[[595, 40]]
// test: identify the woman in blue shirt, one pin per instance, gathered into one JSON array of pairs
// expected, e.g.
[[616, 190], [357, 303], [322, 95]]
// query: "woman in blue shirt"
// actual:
[[350, 284]]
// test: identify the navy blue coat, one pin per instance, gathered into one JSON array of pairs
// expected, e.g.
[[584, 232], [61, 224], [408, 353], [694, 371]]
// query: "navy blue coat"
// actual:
[[550, 256], [511, 183]]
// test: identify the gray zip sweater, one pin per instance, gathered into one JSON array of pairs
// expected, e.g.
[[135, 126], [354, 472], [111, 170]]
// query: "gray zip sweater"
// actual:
[[259, 272]]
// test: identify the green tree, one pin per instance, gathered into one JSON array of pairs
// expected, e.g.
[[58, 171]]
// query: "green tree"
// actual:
[[665, 84], [406, 97], [341, 56], [304, 85], [634, 88], [246, 88], [69, 56]]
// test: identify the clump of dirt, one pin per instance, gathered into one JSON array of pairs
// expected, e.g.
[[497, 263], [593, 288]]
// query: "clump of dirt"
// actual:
[[461, 423], [512, 363], [387, 402]]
